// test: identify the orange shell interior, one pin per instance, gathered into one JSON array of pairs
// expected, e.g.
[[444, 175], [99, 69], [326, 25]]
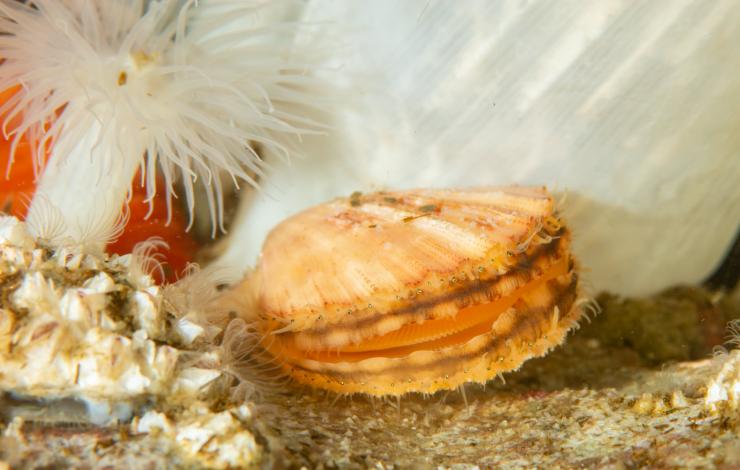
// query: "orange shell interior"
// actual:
[[440, 333]]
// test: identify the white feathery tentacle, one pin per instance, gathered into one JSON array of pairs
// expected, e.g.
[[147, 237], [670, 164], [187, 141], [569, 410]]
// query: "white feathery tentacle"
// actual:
[[184, 87], [146, 260]]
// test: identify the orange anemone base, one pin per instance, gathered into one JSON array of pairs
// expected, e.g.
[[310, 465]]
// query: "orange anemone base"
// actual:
[[19, 184]]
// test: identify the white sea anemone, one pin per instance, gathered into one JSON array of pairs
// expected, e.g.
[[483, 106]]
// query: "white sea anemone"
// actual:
[[183, 88]]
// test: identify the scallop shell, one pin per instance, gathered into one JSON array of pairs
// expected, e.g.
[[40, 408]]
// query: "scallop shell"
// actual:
[[420, 290]]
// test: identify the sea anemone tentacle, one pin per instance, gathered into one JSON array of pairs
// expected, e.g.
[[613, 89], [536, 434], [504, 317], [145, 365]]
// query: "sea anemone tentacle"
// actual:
[[179, 88]]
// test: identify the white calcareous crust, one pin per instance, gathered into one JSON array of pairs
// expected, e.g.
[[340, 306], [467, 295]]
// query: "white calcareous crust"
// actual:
[[87, 327]]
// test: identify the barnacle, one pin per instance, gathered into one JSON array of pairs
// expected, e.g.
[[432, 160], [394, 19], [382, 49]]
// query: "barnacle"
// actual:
[[421, 290]]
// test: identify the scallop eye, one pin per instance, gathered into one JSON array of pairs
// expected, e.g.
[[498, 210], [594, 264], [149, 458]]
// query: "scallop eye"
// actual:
[[407, 330]]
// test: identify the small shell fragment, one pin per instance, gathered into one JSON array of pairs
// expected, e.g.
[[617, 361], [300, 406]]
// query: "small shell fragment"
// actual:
[[416, 291]]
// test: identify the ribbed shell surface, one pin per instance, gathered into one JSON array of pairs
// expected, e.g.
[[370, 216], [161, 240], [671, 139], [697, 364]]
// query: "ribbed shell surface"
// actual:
[[362, 256]]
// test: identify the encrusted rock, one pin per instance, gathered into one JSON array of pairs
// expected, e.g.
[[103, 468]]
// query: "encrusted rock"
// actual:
[[73, 324]]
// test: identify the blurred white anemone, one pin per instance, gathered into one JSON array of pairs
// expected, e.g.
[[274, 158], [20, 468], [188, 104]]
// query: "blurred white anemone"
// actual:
[[629, 107]]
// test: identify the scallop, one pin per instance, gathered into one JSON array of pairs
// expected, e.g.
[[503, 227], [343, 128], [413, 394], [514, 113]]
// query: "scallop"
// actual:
[[416, 291]]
